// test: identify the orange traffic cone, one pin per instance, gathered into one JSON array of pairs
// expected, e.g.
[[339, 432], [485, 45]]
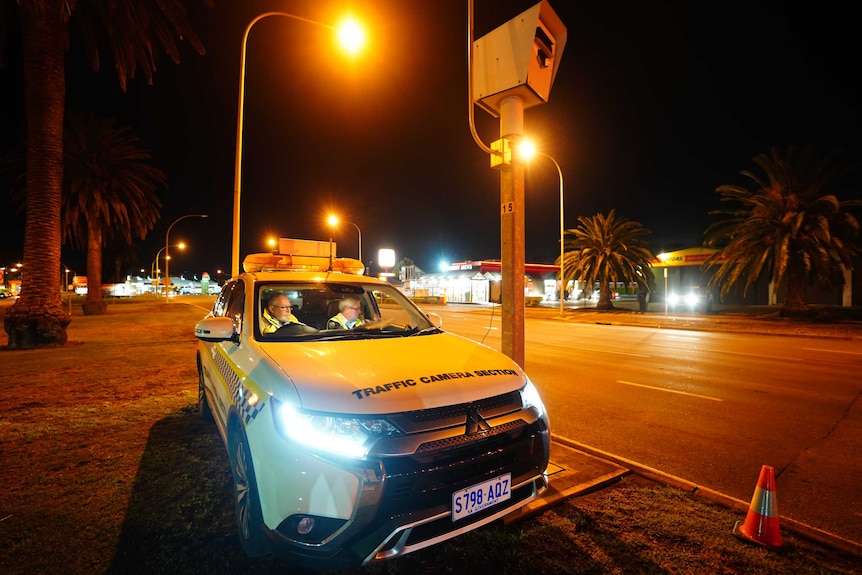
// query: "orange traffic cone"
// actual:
[[761, 523]]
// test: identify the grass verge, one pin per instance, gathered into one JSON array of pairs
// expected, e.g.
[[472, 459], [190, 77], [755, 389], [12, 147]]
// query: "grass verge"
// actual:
[[107, 468]]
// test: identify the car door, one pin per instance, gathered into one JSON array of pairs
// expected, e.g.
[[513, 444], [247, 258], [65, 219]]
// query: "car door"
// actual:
[[230, 304]]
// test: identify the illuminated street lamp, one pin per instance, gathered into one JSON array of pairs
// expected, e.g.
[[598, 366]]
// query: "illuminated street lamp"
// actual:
[[527, 150], [18, 268], [350, 36], [168, 251], [66, 270], [333, 222], [154, 270]]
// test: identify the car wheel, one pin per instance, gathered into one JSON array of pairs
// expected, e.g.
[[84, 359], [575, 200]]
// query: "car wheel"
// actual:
[[203, 406], [249, 517]]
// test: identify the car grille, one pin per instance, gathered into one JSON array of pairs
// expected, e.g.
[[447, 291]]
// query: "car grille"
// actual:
[[462, 439], [423, 420], [427, 480]]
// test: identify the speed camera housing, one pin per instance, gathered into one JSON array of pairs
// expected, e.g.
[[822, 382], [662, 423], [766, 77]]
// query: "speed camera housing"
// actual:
[[521, 58]]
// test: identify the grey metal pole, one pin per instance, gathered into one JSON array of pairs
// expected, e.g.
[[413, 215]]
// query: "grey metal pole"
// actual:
[[167, 250], [237, 178]]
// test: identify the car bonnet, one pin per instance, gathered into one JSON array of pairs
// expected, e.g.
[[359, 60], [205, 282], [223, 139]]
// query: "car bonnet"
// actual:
[[376, 376]]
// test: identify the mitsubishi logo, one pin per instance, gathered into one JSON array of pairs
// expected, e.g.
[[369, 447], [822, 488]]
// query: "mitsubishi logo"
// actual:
[[475, 422]]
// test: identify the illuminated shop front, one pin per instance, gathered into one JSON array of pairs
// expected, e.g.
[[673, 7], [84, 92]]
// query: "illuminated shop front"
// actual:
[[480, 282]]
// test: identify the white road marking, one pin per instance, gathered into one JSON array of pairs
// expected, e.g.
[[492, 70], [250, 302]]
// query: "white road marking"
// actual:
[[607, 351], [669, 390], [832, 351]]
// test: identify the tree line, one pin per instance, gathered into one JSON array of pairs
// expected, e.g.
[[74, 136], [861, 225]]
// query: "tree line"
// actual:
[[92, 182], [789, 227]]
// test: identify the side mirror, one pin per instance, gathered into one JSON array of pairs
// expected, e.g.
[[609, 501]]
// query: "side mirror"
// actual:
[[216, 329], [436, 320]]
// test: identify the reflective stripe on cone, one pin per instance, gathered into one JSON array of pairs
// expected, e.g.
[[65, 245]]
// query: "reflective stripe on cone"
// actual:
[[761, 523]]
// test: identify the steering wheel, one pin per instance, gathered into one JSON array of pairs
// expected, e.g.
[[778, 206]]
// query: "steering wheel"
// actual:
[[295, 329], [376, 324]]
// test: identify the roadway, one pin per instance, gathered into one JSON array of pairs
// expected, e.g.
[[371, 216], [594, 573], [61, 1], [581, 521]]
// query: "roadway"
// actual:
[[705, 406], [709, 407]]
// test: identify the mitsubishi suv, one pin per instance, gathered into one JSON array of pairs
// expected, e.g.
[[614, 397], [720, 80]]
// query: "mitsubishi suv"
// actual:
[[353, 446]]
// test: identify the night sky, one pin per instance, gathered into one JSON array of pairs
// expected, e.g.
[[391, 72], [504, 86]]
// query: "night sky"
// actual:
[[655, 105]]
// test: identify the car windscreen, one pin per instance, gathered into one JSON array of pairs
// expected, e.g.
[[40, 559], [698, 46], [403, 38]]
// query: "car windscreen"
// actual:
[[290, 311]]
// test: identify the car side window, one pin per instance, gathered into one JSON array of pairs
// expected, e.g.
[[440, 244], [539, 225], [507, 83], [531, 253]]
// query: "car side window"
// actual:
[[236, 304], [221, 301]]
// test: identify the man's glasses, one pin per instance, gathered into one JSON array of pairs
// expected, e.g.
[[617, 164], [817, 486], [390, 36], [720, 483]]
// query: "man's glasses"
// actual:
[[282, 306]]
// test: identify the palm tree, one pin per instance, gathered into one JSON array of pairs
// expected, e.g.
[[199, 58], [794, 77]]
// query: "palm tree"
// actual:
[[608, 249], [790, 227], [109, 192], [120, 260], [136, 32]]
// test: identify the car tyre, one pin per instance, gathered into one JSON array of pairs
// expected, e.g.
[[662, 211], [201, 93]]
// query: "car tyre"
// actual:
[[203, 406], [249, 517]]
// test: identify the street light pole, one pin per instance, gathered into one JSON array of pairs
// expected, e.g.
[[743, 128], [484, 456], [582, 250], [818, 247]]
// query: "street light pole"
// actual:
[[527, 149], [333, 221], [168, 251], [350, 35], [360, 239], [562, 238], [66, 285], [154, 269]]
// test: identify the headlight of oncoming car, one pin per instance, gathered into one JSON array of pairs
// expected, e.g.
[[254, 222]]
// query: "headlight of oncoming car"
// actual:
[[341, 435], [530, 397]]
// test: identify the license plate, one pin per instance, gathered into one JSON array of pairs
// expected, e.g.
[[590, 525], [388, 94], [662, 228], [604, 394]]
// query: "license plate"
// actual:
[[481, 496]]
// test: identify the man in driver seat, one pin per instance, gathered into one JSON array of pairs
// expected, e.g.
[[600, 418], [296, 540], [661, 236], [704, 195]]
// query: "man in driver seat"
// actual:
[[277, 314], [348, 316]]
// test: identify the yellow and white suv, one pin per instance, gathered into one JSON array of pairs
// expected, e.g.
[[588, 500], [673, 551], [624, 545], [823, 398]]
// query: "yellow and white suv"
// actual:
[[351, 446]]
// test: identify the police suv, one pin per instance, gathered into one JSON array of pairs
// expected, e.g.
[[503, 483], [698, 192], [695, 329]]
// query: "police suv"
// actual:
[[353, 446]]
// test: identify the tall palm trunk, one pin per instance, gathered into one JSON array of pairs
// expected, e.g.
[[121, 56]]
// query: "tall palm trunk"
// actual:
[[794, 300], [38, 318], [95, 303], [604, 302]]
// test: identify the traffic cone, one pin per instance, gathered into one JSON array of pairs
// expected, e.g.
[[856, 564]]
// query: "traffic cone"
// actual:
[[761, 523]]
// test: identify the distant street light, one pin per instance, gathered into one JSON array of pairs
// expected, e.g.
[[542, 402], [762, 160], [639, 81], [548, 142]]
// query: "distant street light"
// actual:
[[168, 251], [527, 150], [66, 270], [334, 221], [154, 270], [350, 36]]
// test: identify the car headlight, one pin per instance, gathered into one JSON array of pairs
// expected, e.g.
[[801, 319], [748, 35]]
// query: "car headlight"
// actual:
[[531, 398], [692, 299], [673, 299], [337, 434]]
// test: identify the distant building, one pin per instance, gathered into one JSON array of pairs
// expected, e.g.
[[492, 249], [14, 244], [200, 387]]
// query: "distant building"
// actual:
[[681, 270], [480, 281]]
